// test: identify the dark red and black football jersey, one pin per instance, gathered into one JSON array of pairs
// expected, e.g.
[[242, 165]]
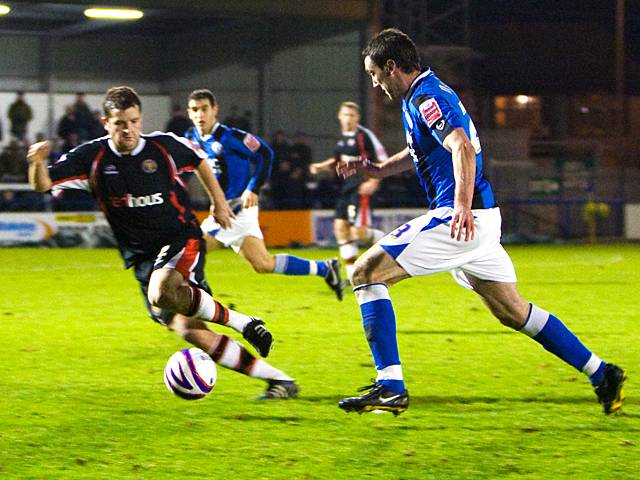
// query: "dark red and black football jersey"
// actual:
[[141, 194], [361, 143]]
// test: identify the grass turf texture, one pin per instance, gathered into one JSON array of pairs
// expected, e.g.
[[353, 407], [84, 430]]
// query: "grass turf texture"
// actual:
[[82, 393]]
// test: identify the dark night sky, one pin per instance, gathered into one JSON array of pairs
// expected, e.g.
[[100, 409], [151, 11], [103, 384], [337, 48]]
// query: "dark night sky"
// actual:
[[552, 46]]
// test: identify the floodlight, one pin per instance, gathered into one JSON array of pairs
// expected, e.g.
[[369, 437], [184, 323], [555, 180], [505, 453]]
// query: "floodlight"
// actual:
[[113, 13]]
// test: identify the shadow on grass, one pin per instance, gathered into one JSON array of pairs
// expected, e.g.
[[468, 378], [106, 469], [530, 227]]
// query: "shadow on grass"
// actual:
[[456, 332], [443, 400], [469, 400], [467, 333], [244, 417], [583, 282]]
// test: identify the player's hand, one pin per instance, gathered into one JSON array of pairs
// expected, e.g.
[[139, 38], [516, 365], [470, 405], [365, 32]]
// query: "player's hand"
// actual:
[[313, 169], [462, 224], [249, 199], [222, 214], [38, 152], [348, 168]]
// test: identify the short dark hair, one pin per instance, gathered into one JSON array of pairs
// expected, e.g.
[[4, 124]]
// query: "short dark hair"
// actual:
[[120, 98], [349, 104], [392, 44], [203, 94]]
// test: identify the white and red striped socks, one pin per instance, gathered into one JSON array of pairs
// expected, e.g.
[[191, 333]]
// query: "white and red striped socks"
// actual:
[[230, 354], [204, 307]]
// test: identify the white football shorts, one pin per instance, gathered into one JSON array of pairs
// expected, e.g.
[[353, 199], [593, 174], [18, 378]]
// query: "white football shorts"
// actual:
[[424, 246], [244, 225]]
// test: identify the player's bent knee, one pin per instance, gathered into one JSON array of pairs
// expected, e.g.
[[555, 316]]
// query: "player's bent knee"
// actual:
[[162, 296], [362, 272]]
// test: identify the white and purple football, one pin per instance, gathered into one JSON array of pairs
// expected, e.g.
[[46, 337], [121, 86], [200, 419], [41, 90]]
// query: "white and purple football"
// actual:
[[190, 373]]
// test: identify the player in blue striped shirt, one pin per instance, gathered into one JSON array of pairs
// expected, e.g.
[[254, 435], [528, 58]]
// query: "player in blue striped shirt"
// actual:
[[242, 164], [459, 234]]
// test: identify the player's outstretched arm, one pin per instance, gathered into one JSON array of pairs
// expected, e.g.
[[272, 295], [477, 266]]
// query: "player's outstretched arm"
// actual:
[[395, 164], [219, 208], [37, 156], [324, 166]]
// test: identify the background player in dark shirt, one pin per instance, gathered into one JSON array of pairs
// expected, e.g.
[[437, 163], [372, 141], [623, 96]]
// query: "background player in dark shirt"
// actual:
[[352, 222], [135, 180]]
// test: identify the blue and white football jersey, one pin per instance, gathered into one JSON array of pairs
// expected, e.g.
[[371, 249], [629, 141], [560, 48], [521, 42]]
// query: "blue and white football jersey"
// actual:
[[241, 161], [430, 111]]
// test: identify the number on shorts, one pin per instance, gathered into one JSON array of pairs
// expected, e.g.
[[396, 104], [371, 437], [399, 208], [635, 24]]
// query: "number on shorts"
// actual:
[[400, 230], [352, 212], [162, 254]]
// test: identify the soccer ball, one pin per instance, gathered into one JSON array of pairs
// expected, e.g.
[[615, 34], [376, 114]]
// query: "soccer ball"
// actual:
[[190, 374]]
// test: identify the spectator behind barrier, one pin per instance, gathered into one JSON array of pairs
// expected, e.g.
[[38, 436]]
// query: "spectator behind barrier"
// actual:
[[179, 123], [13, 163], [20, 114], [84, 118]]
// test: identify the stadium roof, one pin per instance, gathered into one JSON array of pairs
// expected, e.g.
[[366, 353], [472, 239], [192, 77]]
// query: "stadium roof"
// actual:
[[162, 17]]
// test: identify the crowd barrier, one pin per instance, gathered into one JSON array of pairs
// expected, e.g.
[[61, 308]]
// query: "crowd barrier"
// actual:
[[281, 228]]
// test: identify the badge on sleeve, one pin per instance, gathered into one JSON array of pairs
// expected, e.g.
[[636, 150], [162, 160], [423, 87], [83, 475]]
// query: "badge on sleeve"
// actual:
[[430, 111], [251, 142]]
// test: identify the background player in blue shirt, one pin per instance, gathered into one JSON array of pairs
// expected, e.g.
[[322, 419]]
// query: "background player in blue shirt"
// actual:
[[460, 233], [242, 163], [135, 180]]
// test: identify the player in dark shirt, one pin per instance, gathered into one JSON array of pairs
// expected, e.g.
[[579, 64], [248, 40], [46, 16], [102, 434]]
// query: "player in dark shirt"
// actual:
[[135, 180], [352, 222]]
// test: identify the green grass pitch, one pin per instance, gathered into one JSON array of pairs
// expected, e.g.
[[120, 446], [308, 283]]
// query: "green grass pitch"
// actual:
[[82, 396]]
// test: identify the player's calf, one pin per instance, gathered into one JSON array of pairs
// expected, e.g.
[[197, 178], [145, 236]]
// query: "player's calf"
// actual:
[[263, 265]]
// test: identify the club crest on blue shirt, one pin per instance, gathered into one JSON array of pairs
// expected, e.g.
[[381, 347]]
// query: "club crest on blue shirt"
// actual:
[[430, 110], [216, 147], [149, 166], [251, 142]]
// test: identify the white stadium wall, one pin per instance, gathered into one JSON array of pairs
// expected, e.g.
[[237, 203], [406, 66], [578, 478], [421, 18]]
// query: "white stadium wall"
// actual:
[[232, 84], [90, 65], [632, 221], [156, 110], [308, 82], [300, 87]]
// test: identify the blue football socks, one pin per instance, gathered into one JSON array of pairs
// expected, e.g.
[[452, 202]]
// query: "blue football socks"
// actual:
[[554, 336], [292, 265], [379, 322]]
